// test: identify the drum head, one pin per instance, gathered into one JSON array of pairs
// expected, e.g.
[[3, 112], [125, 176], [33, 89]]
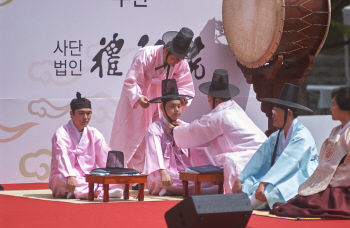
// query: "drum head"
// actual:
[[251, 29]]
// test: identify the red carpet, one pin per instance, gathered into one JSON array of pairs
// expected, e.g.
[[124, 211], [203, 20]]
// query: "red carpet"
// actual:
[[30, 213]]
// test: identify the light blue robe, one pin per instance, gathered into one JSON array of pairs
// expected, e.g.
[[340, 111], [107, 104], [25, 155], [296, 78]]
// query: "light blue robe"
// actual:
[[293, 165]]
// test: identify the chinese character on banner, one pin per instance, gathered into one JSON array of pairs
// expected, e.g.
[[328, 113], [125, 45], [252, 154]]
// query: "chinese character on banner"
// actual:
[[74, 49], [136, 4], [194, 65], [112, 50]]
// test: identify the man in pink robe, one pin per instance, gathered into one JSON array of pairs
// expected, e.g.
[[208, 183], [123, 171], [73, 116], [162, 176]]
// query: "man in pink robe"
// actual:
[[164, 159], [76, 150], [150, 66], [231, 134]]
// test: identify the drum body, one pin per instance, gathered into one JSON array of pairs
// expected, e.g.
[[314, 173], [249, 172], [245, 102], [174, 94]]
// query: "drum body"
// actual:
[[259, 30]]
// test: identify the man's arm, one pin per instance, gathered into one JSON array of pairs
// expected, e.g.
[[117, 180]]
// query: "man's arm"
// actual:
[[101, 149], [134, 82], [197, 133], [259, 193], [237, 186], [60, 149], [166, 178], [153, 152]]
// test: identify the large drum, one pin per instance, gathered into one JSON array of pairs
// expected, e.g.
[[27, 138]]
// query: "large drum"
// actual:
[[259, 30]]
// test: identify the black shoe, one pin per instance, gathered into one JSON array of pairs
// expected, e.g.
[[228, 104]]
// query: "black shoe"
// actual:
[[135, 187], [1, 187]]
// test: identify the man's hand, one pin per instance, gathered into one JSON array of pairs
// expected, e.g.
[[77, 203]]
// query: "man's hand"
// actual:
[[71, 184], [176, 123], [237, 186], [144, 102], [259, 193], [166, 178], [184, 101], [170, 125]]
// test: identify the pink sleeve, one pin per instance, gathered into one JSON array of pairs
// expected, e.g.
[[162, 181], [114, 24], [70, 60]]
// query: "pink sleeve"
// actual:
[[197, 133], [101, 150], [134, 82], [184, 80], [60, 148], [201, 156], [154, 153]]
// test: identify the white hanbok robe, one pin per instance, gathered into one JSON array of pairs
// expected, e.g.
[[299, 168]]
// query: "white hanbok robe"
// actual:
[[75, 154], [229, 132], [161, 153], [296, 160], [131, 120]]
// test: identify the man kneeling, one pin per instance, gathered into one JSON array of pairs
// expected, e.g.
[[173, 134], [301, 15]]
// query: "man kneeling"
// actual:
[[164, 159], [76, 150]]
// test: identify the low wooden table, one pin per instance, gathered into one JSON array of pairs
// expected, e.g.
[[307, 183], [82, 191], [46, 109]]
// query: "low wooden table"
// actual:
[[111, 179], [198, 178]]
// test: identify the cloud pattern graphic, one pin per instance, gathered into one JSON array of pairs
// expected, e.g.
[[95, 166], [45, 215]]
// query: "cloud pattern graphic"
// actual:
[[100, 114], [20, 130], [43, 107], [46, 167]]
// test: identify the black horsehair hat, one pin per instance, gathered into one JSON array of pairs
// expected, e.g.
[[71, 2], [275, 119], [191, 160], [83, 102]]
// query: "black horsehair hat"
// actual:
[[78, 103], [288, 98], [169, 92], [219, 86], [180, 43]]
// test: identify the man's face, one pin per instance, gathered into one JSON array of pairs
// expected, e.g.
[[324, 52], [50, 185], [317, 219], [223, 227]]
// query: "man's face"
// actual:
[[277, 117], [172, 59], [81, 117], [173, 109]]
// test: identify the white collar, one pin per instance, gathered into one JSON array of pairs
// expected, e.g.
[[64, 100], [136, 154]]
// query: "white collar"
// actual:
[[342, 129], [284, 139]]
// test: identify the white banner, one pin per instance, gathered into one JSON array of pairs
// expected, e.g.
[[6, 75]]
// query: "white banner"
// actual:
[[51, 49]]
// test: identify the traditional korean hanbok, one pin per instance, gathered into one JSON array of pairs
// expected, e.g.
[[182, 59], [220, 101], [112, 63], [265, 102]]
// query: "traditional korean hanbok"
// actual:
[[284, 161], [143, 79], [76, 154], [228, 131], [296, 160], [327, 192], [162, 153]]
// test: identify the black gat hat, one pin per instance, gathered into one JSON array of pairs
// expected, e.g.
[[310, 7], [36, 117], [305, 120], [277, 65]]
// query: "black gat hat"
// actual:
[[288, 98], [180, 43], [169, 92], [219, 86]]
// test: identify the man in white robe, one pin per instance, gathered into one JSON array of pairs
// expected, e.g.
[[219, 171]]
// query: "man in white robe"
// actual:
[[226, 129], [76, 150], [284, 161], [164, 158], [150, 66]]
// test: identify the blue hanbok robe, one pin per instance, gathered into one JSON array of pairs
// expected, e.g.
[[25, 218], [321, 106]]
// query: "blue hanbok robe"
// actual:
[[296, 160]]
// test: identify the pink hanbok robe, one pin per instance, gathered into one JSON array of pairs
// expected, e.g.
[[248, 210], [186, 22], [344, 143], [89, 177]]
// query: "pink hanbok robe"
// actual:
[[232, 136], [131, 120], [161, 153], [76, 154]]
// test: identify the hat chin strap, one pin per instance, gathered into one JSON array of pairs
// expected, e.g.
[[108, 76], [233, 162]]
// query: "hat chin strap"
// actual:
[[278, 137], [165, 64]]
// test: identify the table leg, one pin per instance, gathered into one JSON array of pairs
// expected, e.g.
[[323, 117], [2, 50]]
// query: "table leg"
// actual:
[[91, 192], [197, 188], [221, 187], [184, 188], [126, 191], [105, 192], [141, 192]]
